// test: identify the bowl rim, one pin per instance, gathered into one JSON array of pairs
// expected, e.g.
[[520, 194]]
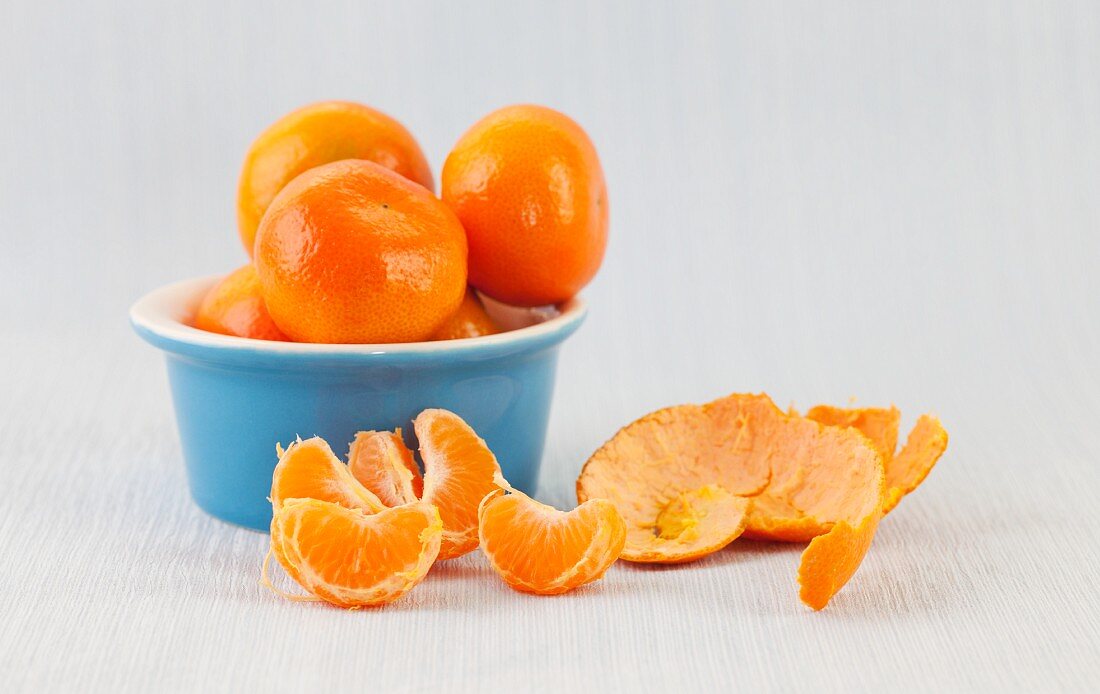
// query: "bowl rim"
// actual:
[[157, 317]]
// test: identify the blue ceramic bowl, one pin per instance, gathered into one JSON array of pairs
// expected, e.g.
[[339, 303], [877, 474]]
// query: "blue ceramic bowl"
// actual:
[[236, 398]]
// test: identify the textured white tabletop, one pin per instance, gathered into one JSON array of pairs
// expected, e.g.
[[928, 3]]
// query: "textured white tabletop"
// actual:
[[900, 204]]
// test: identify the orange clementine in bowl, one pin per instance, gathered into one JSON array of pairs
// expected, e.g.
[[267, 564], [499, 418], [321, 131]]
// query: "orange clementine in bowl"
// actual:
[[317, 134], [351, 252], [235, 306], [528, 186], [470, 320]]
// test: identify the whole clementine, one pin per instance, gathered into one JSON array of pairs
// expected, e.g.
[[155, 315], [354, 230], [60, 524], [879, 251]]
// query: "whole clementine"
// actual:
[[526, 183], [470, 320], [235, 306], [352, 252], [317, 134]]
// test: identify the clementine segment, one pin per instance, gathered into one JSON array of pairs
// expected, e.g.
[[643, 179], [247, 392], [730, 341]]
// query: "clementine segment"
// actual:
[[235, 306], [528, 186], [353, 559], [351, 252], [310, 470], [459, 471], [470, 320], [382, 463], [318, 134], [536, 548]]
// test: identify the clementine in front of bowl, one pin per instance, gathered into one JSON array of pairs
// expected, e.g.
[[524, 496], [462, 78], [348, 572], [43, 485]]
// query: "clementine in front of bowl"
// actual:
[[351, 252], [527, 184], [317, 134]]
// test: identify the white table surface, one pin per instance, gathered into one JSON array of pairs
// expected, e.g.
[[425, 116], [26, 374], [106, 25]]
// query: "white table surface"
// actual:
[[817, 200]]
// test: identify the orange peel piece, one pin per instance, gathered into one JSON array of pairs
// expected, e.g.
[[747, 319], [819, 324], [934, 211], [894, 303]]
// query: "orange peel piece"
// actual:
[[776, 520], [906, 469], [923, 448], [382, 463], [692, 525], [880, 424], [803, 476], [830, 560], [652, 461], [539, 549], [806, 479]]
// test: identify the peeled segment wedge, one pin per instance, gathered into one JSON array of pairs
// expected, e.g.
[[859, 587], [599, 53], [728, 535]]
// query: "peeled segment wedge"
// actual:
[[459, 471], [382, 463], [536, 548], [310, 470], [354, 559]]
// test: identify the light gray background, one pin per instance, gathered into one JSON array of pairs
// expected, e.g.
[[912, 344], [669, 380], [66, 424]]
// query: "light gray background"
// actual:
[[894, 201]]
